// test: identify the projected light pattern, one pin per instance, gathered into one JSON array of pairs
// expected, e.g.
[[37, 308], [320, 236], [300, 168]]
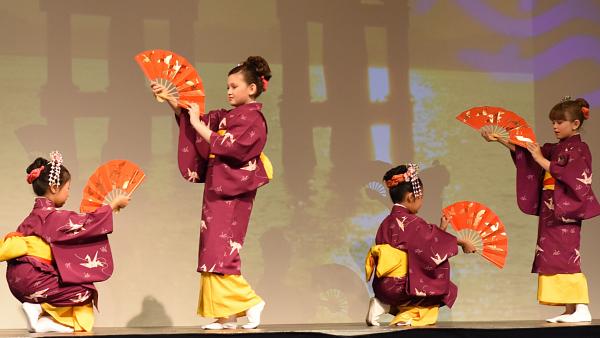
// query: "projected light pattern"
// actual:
[[380, 136], [355, 90], [318, 87], [379, 84]]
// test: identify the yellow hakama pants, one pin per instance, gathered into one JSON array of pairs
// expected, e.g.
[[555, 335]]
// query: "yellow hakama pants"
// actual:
[[562, 289], [222, 296]]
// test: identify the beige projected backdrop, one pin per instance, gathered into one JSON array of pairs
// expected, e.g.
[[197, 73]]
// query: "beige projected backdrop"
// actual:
[[357, 85]]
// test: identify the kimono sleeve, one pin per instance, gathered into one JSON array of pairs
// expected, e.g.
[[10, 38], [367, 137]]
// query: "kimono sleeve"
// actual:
[[529, 179], [192, 151], [574, 198], [429, 249], [244, 139], [429, 245], [68, 227]]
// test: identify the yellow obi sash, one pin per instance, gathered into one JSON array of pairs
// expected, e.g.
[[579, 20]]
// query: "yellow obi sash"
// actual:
[[391, 262], [549, 181], [15, 245], [263, 158]]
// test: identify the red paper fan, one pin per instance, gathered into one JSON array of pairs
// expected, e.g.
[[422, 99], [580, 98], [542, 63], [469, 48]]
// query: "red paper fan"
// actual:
[[499, 121], [475, 222], [521, 136], [113, 178], [176, 74]]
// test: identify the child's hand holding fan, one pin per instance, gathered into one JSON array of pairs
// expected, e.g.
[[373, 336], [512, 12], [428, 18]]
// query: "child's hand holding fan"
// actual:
[[112, 183], [479, 228], [172, 78]]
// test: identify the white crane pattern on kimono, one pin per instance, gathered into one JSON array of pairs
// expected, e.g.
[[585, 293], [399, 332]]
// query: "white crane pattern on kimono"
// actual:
[[81, 297], [38, 294], [72, 228], [91, 264]]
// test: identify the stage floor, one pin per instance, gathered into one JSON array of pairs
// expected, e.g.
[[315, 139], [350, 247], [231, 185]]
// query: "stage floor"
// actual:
[[511, 329]]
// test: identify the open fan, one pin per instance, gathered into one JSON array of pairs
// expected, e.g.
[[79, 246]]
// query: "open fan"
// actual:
[[475, 222], [113, 178], [175, 73], [499, 121]]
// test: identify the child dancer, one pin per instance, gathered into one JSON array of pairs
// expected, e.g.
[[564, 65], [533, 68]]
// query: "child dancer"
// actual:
[[223, 149], [55, 256], [554, 182], [405, 240]]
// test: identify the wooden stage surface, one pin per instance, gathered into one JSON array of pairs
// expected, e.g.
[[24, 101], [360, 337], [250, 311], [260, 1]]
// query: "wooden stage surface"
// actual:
[[512, 329]]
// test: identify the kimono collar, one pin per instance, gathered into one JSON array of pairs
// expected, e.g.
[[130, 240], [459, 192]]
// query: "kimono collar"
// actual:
[[399, 208], [572, 139], [249, 106], [43, 202]]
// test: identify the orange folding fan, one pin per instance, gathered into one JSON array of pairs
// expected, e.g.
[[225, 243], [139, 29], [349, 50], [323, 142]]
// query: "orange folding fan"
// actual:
[[113, 178], [176, 74], [499, 121], [475, 222]]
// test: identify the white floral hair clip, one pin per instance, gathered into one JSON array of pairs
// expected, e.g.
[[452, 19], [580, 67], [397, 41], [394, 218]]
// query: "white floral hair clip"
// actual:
[[56, 161]]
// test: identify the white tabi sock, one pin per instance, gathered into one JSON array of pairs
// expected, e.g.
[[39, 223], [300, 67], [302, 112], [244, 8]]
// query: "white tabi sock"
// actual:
[[557, 318], [213, 326], [569, 309], [376, 309], [46, 324], [230, 325], [582, 314], [32, 313], [253, 315]]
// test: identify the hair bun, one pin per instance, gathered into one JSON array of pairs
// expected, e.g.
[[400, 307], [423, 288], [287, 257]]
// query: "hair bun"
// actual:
[[261, 65], [401, 169], [582, 102], [38, 162]]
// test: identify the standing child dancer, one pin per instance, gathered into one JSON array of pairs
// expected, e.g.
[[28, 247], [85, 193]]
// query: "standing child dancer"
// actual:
[[405, 240], [55, 255], [223, 149], [554, 182]]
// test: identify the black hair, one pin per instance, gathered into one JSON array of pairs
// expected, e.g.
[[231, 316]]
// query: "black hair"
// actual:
[[398, 193], [254, 69], [41, 185], [569, 110]]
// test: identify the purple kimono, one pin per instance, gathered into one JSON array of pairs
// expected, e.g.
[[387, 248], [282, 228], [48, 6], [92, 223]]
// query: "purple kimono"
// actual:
[[231, 168], [80, 251], [428, 249], [561, 209]]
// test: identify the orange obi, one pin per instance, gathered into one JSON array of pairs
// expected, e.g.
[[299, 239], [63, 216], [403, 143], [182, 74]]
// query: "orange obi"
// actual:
[[549, 181]]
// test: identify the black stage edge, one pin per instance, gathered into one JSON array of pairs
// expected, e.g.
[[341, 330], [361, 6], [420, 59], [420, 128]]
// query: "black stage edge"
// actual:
[[515, 329]]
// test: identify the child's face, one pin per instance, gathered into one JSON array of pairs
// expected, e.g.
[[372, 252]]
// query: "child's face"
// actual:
[[565, 129], [238, 91], [62, 195]]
